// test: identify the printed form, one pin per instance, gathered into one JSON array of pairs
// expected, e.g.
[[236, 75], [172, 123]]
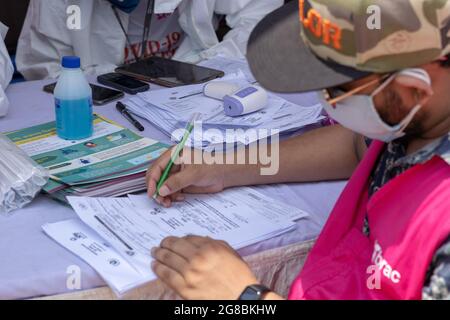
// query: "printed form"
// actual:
[[118, 233]]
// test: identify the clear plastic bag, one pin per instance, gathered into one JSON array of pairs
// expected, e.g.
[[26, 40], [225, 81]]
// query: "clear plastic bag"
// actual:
[[20, 177]]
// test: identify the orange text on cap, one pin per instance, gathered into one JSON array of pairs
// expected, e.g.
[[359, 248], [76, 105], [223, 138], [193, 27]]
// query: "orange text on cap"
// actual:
[[322, 28]]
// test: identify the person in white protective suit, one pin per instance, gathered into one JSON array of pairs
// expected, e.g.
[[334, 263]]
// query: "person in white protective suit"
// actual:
[[112, 32], [6, 71]]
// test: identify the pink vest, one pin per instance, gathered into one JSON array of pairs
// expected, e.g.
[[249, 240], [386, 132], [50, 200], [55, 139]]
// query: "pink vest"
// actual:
[[409, 219]]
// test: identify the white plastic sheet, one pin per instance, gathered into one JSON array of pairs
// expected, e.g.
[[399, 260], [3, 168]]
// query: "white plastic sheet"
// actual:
[[20, 177]]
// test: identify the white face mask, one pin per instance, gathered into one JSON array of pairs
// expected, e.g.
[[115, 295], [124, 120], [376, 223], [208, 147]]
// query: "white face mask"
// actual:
[[358, 112]]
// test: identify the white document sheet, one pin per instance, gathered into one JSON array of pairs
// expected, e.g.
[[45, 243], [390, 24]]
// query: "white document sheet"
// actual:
[[128, 228], [182, 102], [170, 109], [228, 66], [84, 242], [247, 207]]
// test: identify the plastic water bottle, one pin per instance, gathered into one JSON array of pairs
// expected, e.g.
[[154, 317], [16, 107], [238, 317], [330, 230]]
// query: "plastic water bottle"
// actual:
[[73, 102]]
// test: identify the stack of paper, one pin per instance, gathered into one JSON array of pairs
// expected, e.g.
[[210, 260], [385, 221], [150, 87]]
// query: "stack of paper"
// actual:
[[112, 162], [170, 109], [229, 66], [118, 233]]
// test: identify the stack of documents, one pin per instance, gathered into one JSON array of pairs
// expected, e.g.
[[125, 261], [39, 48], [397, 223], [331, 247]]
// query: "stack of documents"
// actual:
[[112, 162], [229, 66], [170, 109], [115, 235]]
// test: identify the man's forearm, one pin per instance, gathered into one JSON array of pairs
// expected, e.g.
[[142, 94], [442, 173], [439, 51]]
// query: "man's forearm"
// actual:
[[327, 153], [273, 296]]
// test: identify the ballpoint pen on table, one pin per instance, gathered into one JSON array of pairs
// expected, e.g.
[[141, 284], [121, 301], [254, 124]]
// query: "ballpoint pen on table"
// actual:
[[123, 110]]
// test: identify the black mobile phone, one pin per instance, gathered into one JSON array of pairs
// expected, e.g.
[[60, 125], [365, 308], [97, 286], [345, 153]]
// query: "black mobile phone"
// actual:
[[123, 83], [169, 73], [100, 95]]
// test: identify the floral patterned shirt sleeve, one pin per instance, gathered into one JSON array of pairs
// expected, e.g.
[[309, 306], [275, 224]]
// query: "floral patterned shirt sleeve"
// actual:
[[437, 286]]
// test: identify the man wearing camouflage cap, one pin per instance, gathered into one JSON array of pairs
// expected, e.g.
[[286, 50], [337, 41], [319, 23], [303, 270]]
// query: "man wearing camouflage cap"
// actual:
[[387, 85]]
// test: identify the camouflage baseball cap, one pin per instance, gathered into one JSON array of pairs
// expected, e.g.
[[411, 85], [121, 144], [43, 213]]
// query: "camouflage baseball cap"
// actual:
[[315, 44]]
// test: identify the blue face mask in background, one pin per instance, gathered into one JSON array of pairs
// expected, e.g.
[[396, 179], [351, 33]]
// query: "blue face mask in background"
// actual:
[[125, 5]]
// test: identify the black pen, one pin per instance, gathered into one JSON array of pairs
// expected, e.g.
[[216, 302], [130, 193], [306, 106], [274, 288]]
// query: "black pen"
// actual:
[[123, 110]]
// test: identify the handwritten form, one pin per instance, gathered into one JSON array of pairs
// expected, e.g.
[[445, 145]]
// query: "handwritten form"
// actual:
[[118, 233]]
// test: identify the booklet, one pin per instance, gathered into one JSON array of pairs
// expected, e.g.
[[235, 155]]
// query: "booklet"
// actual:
[[115, 235], [111, 162]]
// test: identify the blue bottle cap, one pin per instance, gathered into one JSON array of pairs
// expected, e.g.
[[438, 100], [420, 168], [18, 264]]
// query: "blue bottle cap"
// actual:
[[71, 62]]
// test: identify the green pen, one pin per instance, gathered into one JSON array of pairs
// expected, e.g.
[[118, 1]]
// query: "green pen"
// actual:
[[176, 154]]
